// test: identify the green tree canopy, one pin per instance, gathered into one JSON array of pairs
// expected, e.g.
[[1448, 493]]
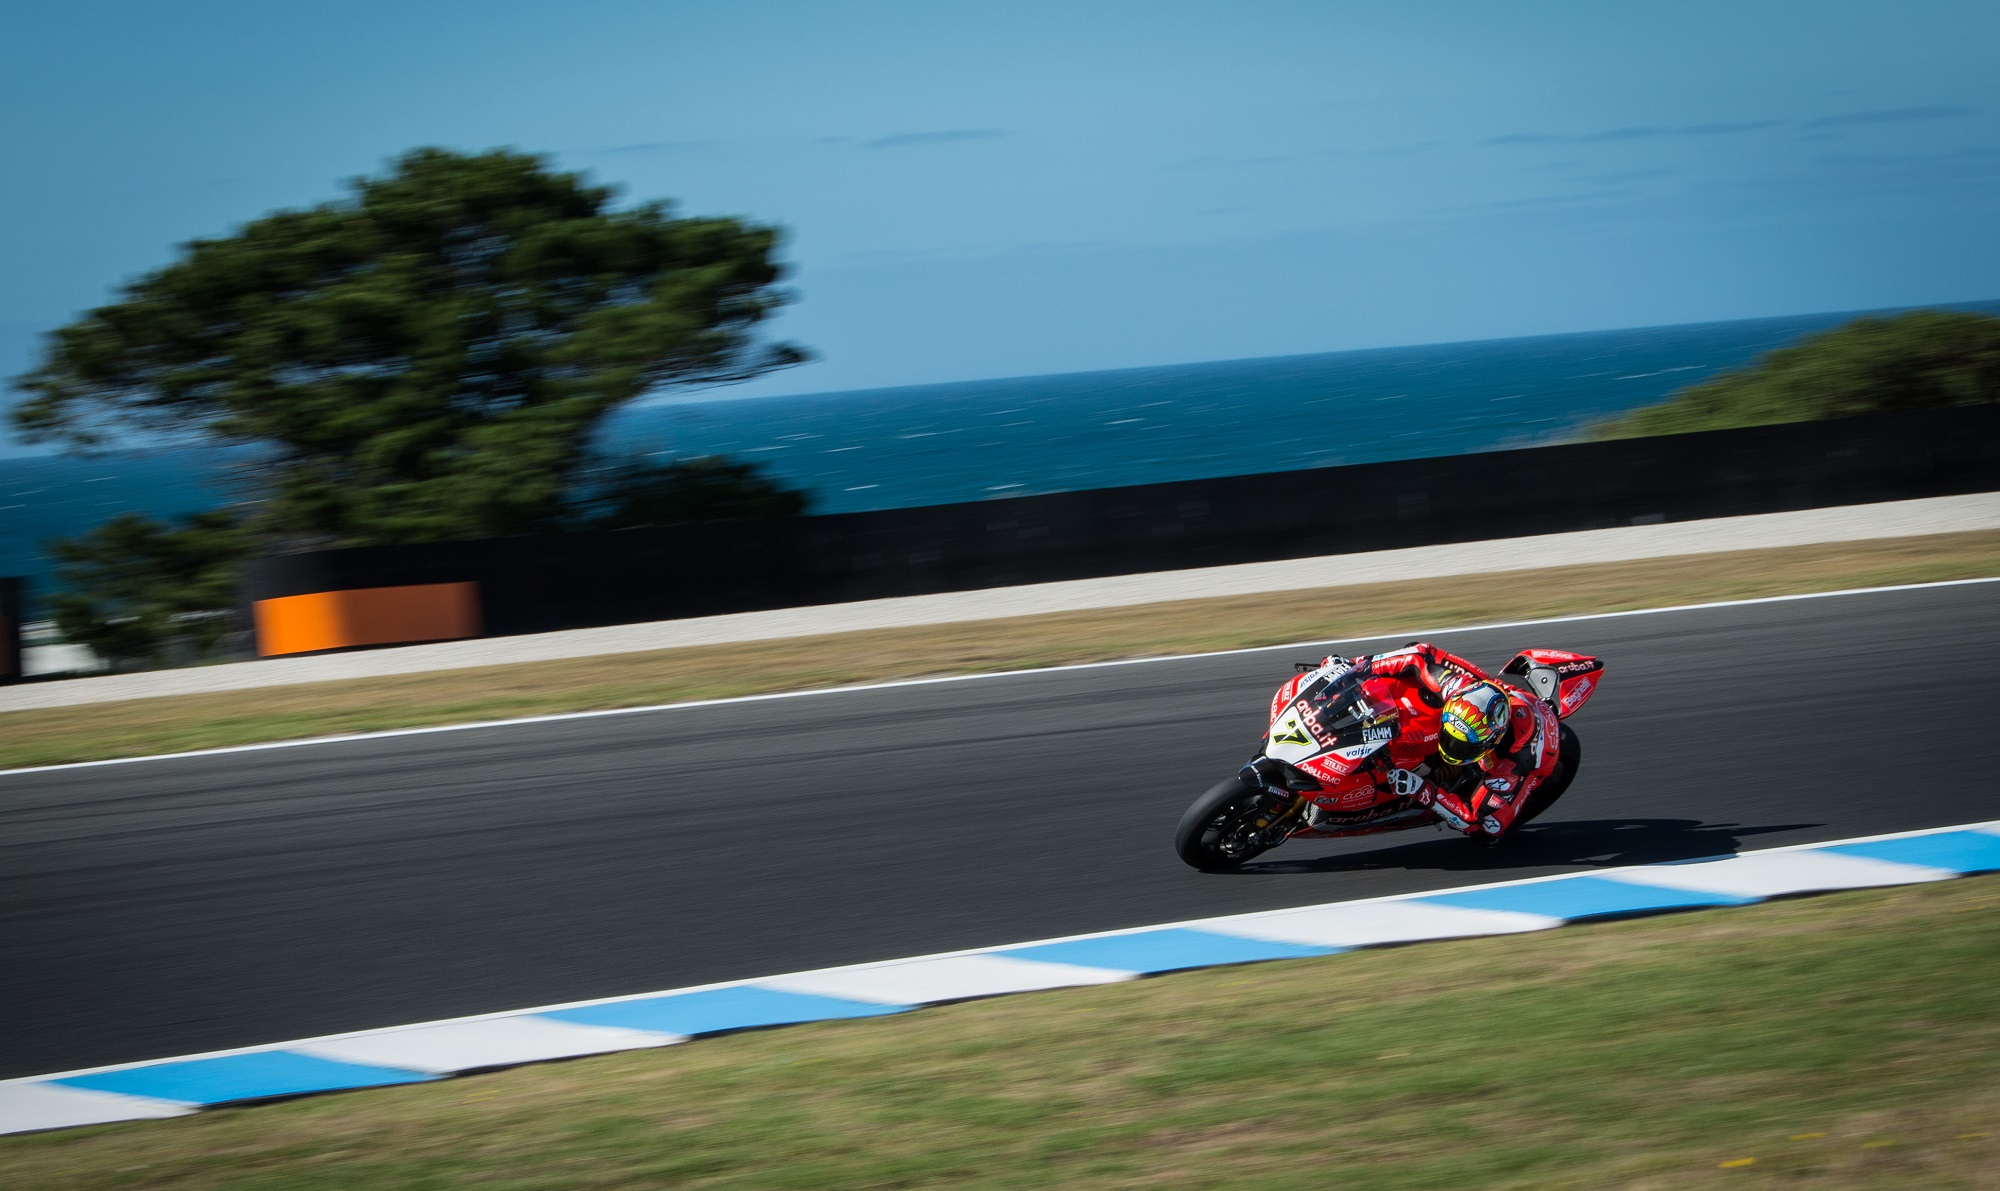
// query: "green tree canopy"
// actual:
[[139, 589], [1925, 359], [425, 359], [688, 491]]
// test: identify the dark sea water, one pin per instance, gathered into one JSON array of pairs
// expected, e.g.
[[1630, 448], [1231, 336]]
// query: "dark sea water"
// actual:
[[976, 440]]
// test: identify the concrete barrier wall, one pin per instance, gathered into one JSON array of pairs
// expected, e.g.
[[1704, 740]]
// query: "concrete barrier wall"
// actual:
[[536, 584]]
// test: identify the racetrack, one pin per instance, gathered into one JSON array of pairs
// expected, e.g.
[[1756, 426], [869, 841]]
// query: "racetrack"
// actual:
[[185, 904]]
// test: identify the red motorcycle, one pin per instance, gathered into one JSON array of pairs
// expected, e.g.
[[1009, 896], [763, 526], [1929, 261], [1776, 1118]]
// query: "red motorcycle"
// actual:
[[1337, 733]]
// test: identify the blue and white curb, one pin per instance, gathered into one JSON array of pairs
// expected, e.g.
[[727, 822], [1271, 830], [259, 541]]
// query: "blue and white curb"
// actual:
[[434, 1050]]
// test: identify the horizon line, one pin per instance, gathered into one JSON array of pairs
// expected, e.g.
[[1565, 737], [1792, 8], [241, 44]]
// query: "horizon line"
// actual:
[[721, 393]]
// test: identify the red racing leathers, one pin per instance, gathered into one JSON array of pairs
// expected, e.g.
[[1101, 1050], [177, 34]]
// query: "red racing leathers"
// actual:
[[1479, 799]]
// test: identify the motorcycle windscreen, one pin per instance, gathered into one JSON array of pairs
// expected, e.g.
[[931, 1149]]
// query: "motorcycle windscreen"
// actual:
[[1331, 714]]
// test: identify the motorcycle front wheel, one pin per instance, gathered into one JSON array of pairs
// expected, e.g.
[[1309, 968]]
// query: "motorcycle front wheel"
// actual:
[[1218, 832]]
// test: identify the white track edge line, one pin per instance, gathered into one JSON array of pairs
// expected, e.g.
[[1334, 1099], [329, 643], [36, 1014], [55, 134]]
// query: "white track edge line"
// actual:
[[1188, 924], [691, 704]]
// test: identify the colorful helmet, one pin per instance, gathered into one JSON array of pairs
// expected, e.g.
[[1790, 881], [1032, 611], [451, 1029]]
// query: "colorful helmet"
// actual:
[[1474, 722]]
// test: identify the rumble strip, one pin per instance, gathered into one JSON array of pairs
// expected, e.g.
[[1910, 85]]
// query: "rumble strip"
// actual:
[[434, 1050]]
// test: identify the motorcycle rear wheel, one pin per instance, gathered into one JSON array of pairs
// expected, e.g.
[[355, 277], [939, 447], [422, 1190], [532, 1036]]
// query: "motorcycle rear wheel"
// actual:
[[1209, 836]]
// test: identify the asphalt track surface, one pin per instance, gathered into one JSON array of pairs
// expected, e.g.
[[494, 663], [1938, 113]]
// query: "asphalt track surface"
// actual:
[[178, 905]]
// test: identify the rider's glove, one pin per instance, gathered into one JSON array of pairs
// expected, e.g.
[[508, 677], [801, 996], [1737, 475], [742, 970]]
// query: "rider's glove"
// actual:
[[1405, 782]]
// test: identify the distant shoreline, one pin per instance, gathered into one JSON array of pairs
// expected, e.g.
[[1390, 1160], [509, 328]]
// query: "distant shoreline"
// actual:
[[726, 393], [862, 449]]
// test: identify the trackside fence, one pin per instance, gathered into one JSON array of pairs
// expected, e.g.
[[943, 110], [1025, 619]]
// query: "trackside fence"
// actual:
[[494, 587]]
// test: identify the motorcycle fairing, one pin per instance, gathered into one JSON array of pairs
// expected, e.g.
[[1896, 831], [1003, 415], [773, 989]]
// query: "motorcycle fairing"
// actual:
[[1284, 696], [1563, 680], [1289, 741], [1325, 723], [1328, 769], [1309, 682]]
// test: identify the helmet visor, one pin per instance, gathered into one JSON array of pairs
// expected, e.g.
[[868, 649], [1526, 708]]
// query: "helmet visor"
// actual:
[[1457, 750]]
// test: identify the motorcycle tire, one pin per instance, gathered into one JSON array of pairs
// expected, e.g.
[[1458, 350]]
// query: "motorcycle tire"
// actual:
[[1197, 838], [1546, 794]]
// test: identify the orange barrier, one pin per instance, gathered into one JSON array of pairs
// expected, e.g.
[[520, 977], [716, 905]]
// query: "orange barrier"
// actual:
[[366, 616]]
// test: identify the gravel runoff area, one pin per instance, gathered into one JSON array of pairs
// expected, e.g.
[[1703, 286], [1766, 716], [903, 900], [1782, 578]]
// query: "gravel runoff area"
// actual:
[[1764, 531]]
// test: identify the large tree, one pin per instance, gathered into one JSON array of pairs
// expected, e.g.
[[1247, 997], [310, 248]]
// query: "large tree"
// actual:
[[424, 359], [686, 491], [138, 591], [1923, 359]]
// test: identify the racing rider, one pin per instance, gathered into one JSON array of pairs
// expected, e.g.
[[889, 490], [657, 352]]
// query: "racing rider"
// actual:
[[1467, 747]]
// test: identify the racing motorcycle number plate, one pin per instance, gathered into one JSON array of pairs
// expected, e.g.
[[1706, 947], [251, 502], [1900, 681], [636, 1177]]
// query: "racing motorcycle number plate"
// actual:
[[1290, 741]]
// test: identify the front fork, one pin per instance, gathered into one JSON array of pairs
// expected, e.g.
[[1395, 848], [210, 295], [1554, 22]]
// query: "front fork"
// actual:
[[1278, 813]]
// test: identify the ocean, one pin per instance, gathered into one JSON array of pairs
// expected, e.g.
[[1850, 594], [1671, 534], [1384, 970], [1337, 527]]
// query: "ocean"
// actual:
[[984, 440]]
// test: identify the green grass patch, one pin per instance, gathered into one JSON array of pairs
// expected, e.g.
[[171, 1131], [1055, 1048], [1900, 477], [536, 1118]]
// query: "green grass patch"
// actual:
[[178, 723], [1846, 1041]]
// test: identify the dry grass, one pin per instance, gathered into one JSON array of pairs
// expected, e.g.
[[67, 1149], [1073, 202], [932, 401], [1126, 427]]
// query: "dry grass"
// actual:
[[179, 723], [1850, 1041]]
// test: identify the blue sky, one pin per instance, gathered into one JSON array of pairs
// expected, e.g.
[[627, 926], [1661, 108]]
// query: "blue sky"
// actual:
[[979, 190]]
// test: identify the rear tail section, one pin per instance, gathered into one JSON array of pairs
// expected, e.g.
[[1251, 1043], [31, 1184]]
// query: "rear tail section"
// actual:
[[1563, 680]]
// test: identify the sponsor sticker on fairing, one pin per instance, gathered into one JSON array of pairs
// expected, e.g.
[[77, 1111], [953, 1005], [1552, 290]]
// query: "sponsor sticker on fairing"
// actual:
[[1327, 768], [1357, 752], [1310, 718]]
